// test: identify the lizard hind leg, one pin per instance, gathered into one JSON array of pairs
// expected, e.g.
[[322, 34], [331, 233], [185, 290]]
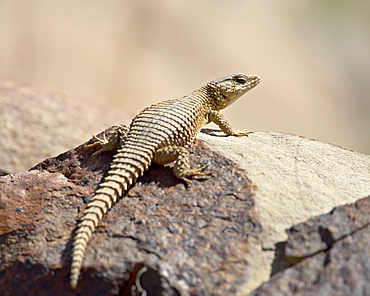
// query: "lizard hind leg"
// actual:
[[181, 169], [114, 141]]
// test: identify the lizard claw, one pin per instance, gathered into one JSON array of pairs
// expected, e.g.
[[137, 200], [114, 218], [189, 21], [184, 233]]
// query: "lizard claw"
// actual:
[[197, 172], [97, 142], [241, 133]]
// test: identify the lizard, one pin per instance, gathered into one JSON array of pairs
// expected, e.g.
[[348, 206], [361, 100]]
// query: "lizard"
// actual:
[[160, 133]]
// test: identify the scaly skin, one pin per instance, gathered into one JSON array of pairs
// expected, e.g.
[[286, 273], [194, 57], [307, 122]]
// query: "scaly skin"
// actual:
[[162, 134]]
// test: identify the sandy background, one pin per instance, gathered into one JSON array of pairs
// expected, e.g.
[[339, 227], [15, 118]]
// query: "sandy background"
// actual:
[[313, 57]]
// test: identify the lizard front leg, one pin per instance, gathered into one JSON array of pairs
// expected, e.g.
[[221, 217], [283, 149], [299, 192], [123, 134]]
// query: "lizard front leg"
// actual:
[[116, 139], [219, 119], [181, 167]]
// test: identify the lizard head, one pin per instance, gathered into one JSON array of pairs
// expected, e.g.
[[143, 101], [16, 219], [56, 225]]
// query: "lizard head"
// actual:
[[226, 90]]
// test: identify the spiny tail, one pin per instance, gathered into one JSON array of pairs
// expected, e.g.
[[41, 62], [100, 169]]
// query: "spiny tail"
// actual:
[[126, 168]]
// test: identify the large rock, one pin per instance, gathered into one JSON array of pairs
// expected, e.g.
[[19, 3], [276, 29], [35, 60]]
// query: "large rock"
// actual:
[[297, 178], [194, 241]]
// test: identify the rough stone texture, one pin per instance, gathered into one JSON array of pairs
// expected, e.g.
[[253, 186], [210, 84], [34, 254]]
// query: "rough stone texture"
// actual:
[[341, 262], [194, 240], [321, 232], [37, 123], [297, 178]]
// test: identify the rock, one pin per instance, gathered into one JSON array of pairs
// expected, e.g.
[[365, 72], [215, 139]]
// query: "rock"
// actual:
[[321, 232], [338, 248], [194, 241], [37, 123], [297, 178]]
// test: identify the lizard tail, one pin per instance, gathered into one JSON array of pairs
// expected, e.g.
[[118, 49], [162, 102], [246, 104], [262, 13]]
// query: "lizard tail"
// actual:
[[124, 172]]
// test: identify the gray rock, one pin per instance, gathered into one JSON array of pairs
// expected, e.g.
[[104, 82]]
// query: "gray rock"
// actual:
[[321, 232], [340, 268]]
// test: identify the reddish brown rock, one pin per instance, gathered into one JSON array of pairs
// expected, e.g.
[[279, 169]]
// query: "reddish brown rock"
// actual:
[[193, 240]]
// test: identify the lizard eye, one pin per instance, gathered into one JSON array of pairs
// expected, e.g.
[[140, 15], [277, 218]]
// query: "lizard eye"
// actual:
[[240, 79]]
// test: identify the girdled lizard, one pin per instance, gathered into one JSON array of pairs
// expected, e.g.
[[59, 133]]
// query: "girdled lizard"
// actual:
[[162, 134]]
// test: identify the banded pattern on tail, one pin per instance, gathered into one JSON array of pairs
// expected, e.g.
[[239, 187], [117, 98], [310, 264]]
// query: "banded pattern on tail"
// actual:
[[123, 174]]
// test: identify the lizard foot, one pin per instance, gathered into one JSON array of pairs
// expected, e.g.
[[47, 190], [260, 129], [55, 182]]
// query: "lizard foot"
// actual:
[[197, 172], [103, 143], [97, 142], [115, 140], [241, 133]]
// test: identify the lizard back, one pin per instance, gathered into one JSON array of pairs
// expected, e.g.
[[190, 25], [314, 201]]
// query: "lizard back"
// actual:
[[172, 122]]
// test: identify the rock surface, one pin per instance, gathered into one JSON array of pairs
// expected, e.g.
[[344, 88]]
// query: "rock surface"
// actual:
[[194, 241], [297, 178], [336, 247], [320, 233]]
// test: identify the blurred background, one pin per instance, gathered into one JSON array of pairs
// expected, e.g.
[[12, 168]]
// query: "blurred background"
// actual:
[[313, 57]]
